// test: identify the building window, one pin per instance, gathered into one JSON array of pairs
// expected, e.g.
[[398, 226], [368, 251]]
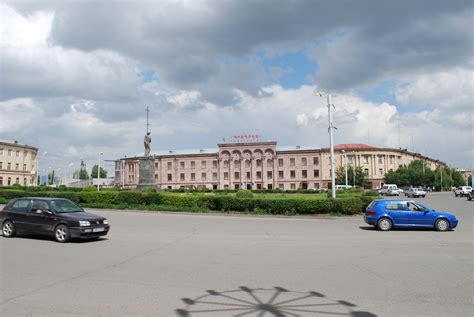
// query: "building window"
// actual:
[[226, 175], [292, 186], [292, 161], [304, 173], [303, 161], [259, 163], [381, 171], [316, 173], [17, 181], [17, 155], [203, 176], [17, 166], [226, 164], [193, 164], [365, 159], [182, 165], [1, 165], [9, 181], [1, 180], [226, 186], [269, 175], [350, 158], [281, 186], [237, 175], [280, 162], [392, 159], [380, 159], [214, 164], [316, 185], [248, 175], [170, 165], [316, 160], [280, 174], [170, 177], [236, 164], [366, 171], [247, 163], [181, 177], [203, 164], [292, 174], [269, 163], [25, 154], [214, 176], [193, 176], [156, 177], [9, 152], [156, 166], [1, 151], [259, 175], [24, 167]]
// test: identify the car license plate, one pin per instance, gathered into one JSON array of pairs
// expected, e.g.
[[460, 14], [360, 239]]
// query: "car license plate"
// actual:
[[98, 229]]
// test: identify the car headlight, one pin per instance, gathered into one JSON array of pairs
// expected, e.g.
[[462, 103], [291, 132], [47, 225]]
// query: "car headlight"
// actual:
[[106, 222], [84, 223]]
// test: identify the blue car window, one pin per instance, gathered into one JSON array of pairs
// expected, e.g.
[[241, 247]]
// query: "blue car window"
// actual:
[[396, 206]]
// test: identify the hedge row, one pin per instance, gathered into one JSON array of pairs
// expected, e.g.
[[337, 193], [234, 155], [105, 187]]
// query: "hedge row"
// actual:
[[140, 200]]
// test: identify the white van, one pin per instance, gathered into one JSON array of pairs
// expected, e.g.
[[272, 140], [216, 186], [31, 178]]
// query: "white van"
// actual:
[[389, 190], [343, 186]]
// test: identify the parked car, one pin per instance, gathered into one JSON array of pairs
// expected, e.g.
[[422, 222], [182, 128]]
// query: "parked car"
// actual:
[[386, 214], [415, 192], [471, 194], [57, 217], [390, 190], [462, 191]]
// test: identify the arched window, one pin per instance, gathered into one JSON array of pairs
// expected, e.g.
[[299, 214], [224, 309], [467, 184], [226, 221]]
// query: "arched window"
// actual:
[[17, 180], [9, 181], [1, 180], [24, 181]]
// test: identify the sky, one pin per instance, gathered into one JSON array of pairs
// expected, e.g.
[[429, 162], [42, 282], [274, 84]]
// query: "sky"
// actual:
[[77, 76]]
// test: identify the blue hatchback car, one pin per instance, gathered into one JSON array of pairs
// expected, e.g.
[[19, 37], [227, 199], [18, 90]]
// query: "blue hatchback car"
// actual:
[[386, 214]]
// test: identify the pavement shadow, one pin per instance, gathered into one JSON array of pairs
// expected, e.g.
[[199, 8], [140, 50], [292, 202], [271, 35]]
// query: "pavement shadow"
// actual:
[[49, 238], [276, 302]]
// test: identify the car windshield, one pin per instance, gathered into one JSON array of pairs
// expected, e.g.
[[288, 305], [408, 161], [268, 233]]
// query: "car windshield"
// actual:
[[63, 206], [422, 207]]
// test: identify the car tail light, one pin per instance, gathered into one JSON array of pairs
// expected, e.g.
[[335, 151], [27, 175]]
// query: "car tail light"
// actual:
[[372, 212]]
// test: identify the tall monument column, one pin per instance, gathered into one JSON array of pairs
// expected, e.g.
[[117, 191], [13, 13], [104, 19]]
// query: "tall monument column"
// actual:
[[146, 168]]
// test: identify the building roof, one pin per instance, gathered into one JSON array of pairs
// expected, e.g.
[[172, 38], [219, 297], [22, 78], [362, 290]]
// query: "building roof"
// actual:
[[16, 143], [351, 146]]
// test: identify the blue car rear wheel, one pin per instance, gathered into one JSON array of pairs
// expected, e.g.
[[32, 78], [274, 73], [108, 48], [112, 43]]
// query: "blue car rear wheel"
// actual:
[[384, 224]]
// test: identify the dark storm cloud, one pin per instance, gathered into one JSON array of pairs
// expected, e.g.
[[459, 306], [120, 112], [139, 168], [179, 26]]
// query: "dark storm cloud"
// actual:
[[185, 41]]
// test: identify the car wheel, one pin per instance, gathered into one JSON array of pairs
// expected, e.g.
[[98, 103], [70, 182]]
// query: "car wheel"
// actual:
[[62, 234], [8, 229], [384, 224], [442, 225]]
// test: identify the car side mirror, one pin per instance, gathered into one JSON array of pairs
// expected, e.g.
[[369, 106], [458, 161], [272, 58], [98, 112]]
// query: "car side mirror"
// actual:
[[47, 212]]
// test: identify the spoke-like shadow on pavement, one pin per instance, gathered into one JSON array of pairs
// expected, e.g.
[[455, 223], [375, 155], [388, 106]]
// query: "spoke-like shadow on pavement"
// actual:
[[276, 302]]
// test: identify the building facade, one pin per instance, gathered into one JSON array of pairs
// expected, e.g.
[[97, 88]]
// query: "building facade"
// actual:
[[264, 165], [18, 164]]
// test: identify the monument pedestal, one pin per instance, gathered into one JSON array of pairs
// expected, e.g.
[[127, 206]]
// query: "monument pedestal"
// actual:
[[146, 172]]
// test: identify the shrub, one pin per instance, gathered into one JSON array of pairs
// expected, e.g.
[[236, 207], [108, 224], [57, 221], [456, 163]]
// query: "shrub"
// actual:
[[244, 194], [89, 188]]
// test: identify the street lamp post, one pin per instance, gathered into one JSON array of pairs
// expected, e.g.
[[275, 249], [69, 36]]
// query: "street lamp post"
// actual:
[[345, 165], [331, 127], [98, 172], [353, 169]]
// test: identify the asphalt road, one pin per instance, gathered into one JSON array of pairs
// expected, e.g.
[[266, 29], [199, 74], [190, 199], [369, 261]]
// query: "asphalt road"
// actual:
[[207, 265]]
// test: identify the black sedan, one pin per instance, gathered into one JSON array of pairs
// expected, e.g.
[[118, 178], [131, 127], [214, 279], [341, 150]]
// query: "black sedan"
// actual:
[[58, 217]]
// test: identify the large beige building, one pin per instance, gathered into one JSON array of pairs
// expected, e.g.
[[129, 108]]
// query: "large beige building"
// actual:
[[18, 164], [263, 165]]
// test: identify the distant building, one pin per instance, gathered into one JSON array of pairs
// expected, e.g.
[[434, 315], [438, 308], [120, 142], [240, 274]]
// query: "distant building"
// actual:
[[465, 174], [263, 165], [18, 164]]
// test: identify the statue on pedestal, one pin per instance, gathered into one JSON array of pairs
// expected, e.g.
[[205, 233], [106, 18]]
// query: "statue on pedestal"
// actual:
[[147, 142]]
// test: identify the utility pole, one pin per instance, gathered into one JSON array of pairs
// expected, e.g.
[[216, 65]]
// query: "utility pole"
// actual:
[[331, 127], [345, 164], [441, 169]]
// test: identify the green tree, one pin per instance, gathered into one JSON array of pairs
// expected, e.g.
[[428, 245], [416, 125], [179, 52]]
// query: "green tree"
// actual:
[[360, 177], [458, 180], [51, 178], [81, 174], [103, 173], [415, 174]]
